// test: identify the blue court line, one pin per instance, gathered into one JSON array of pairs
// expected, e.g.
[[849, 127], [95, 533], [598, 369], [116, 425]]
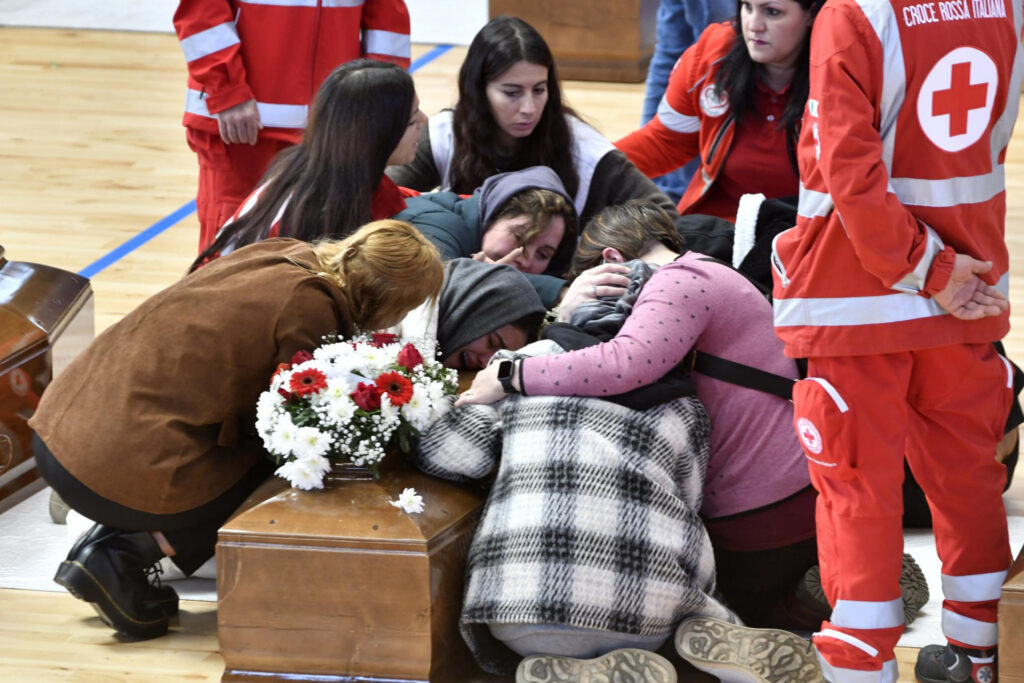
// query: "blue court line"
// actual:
[[152, 231], [137, 241], [428, 58]]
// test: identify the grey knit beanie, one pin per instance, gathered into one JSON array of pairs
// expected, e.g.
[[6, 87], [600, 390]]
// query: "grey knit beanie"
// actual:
[[498, 189], [478, 298]]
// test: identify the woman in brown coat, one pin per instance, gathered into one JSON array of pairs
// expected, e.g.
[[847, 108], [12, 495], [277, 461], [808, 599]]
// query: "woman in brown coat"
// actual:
[[150, 431]]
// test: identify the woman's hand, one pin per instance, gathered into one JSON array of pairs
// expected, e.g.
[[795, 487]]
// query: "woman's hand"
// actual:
[[508, 259], [485, 388], [609, 279]]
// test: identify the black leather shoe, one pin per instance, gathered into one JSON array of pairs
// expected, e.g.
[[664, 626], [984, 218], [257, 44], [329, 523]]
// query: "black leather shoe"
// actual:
[[158, 595], [952, 664], [110, 573]]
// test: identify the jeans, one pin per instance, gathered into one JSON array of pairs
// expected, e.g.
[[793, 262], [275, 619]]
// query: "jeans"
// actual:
[[680, 23]]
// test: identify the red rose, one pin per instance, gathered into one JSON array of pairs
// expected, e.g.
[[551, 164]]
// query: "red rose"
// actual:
[[409, 357], [396, 386], [309, 381], [285, 393], [367, 396], [301, 356], [382, 338]]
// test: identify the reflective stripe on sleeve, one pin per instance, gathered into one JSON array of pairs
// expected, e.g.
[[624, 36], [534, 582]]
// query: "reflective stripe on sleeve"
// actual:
[[882, 17], [211, 40], [676, 122], [376, 42], [813, 204], [272, 115], [913, 282], [860, 310]]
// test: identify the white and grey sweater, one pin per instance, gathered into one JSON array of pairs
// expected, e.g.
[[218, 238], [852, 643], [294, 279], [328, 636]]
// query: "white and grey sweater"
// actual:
[[592, 518]]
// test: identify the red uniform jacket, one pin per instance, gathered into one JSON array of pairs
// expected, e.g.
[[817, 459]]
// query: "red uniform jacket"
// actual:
[[278, 53], [693, 118], [901, 161]]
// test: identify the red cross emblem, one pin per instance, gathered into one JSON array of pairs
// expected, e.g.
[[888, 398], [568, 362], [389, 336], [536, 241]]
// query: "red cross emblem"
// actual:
[[954, 103], [961, 97], [809, 435]]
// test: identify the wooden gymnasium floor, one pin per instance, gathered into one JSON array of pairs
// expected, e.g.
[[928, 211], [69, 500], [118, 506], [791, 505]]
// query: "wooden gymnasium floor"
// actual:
[[92, 155]]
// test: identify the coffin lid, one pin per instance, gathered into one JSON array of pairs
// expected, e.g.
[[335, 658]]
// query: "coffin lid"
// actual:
[[357, 514], [35, 304]]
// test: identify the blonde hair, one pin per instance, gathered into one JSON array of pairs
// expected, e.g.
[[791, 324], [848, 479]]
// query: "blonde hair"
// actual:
[[386, 268]]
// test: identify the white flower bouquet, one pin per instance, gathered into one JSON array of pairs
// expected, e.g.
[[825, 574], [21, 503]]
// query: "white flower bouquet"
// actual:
[[348, 401]]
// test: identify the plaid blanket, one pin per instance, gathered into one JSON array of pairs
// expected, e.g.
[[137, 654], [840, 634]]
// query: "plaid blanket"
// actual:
[[591, 521]]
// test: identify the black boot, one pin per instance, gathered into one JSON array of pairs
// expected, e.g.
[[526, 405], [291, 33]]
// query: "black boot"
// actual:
[[158, 595], [952, 664], [110, 573]]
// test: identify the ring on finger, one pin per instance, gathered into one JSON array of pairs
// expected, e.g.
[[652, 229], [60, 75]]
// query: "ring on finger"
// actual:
[[593, 288]]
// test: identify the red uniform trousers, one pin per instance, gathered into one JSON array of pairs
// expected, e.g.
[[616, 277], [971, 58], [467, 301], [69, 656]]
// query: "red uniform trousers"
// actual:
[[227, 175], [944, 409]]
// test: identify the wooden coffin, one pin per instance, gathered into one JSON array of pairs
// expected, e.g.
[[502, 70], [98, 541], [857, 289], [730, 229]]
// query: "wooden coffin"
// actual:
[[592, 40], [46, 319], [1011, 624], [339, 585]]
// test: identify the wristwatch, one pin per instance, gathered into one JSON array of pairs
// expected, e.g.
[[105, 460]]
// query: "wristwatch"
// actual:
[[505, 370]]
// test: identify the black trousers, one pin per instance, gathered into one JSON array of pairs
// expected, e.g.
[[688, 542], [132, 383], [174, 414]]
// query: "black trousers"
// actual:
[[192, 533], [758, 585]]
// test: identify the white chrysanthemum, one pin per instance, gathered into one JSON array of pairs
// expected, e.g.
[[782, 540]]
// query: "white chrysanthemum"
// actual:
[[285, 435], [409, 501], [311, 443], [280, 380], [388, 412], [375, 359], [267, 405], [331, 353], [265, 428], [339, 411], [305, 473], [418, 410], [338, 388]]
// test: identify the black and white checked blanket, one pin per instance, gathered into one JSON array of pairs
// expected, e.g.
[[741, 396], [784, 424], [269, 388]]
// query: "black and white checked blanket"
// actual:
[[591, 520]]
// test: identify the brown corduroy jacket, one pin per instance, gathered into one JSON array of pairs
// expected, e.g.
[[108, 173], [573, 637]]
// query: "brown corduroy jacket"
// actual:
[[158, 413]]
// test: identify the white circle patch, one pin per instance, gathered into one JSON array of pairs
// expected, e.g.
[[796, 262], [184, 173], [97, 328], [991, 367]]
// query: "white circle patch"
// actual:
[[955, 102], [714, 102], [809, 435]]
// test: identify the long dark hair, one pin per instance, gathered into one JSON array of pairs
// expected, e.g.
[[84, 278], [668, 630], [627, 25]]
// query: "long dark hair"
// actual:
[[738, 78], [357, 119], [498, 46]]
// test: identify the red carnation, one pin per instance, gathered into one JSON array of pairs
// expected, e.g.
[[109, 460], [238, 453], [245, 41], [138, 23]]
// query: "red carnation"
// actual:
[[409, 357], [396, 386], [382, 338], [366, 396], [281, 367], [309, 381], [301, 356]]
